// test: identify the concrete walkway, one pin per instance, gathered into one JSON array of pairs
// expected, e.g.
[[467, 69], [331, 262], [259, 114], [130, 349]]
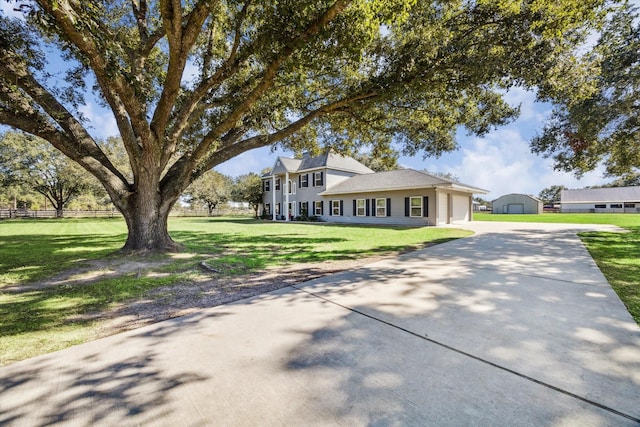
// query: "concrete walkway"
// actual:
[[514, 326]]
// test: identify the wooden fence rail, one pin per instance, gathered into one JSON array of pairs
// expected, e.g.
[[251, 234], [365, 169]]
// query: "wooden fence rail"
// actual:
[[28, 213]]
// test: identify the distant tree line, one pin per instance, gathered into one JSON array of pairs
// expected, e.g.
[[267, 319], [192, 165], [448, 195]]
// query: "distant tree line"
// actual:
[[36, 176]]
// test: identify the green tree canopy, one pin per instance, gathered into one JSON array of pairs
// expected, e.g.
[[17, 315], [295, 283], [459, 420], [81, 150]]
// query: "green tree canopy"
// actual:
[[31, 161], [605, 125], [248, 188], [211, 189], [551, 195], [194, 83]]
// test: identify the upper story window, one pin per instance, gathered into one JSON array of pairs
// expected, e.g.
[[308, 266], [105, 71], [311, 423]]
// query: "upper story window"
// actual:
[[266, 185], [291, 187], [304, 180], [277, 184], [318, 179]]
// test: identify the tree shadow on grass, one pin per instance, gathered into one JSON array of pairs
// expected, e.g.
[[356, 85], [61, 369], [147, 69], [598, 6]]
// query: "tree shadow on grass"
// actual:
[[30, 257]]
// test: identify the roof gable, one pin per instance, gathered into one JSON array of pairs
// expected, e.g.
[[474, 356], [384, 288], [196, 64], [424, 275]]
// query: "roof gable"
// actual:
[[329, 160]]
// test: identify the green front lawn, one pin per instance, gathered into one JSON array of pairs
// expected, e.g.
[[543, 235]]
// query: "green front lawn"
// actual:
[[36, 320], [617, 254]]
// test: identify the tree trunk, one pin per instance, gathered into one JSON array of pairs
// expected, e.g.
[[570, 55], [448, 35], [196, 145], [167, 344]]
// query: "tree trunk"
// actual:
[[147, 230], [146, 214]]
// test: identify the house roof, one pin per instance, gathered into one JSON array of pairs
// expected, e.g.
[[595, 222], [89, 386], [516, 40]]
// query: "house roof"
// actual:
[[328, 160], [402, 179], [517, 195], [594, 195]]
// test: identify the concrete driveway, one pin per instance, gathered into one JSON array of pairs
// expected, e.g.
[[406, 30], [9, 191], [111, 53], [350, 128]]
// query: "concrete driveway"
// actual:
[[514, 326]]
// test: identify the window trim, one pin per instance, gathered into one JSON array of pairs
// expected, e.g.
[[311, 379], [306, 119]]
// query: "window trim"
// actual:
[[277, 184], [267, 208], [335, 208], [267, 185], [412, 207], [363, 207], [318, 180], [304, 180], [383, 207], [317, 208]]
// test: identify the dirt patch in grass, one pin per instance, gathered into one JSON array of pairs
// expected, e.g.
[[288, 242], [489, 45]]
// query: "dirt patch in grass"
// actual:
[[203, 290]]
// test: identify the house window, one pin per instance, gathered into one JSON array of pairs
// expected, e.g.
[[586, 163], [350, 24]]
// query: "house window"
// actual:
[[291, 187], [381, 207], [361, 207], [267, 208], [629, 205], [317, 208], [304, 180], [277, 184], [616, 205], [277, 208], [335, 207], [416, 206], [601, 206], [267, 185], [304, 208], [317, 179]]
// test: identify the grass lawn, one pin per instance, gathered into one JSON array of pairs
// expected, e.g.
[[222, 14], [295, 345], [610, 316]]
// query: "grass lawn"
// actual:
[[617, 254], [41, 319]]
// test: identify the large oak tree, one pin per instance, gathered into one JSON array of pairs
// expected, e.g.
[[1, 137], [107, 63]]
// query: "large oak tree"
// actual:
[[601, 127], [194, 83]]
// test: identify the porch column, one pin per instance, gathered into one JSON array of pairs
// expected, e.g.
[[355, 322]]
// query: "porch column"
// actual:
[[273, 202], [286, 195]]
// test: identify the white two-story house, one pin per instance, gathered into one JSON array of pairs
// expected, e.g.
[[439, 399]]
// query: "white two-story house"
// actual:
[[336, 188]]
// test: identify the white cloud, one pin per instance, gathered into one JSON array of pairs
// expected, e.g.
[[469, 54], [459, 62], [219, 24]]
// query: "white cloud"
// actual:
[[101, 124]]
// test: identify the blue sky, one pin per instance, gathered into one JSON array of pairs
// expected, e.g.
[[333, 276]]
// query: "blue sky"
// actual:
[[500, 162]]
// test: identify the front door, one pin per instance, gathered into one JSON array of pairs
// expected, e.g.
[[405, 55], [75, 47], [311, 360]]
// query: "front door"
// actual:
[[291, 212]]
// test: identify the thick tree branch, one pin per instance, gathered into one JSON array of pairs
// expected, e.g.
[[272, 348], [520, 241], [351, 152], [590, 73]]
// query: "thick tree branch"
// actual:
[[268, 77], [181, 40]]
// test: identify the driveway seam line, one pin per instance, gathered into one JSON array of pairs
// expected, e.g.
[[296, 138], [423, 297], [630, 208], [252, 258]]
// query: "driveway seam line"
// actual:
[[553, 279], [477, 358]]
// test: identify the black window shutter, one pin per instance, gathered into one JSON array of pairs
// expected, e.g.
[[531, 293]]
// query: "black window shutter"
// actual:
[[366, 204], [341, 208], [425, 206], [321, 207], [388, 207], [307, 184], [407, 208], [321, 179], [330, 207], [373, 208], [313, 176], [355, 207], [299, 181]]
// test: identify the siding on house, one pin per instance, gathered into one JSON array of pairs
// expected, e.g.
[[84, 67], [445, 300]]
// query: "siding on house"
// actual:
[[345, 188], [394, 208]]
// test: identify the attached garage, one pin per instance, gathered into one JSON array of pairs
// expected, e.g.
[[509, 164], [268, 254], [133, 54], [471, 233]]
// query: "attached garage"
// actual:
[[517, 204]]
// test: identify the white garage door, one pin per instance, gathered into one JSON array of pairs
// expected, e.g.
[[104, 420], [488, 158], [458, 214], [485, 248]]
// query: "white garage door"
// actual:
[[460, 208], [515, 208]]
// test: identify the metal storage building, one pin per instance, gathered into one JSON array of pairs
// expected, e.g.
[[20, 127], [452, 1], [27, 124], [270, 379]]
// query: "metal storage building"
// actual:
[[600, 200], [517, 204]]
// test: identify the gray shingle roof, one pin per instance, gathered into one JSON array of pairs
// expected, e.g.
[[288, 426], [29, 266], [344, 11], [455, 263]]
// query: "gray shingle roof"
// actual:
[[395, 180], [329, 160]]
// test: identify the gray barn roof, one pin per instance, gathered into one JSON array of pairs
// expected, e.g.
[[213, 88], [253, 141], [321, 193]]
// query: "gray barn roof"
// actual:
[[403, 179], [329, 160], [594, 195]]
